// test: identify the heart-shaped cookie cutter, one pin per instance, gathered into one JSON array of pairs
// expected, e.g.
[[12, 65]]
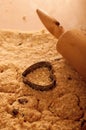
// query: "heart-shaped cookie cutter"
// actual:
[[37, 66]]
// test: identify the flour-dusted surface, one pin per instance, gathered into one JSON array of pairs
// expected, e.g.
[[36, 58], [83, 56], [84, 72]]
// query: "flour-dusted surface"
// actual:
[[40, 76], [23, 108]]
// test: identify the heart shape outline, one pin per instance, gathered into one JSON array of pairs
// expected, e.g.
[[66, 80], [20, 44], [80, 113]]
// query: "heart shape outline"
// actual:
[[37, 66]]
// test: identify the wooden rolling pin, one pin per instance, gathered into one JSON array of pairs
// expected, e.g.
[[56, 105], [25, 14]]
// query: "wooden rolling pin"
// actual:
[[71, 44]]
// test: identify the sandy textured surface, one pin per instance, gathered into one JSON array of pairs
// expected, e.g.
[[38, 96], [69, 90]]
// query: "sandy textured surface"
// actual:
[[23, 108]]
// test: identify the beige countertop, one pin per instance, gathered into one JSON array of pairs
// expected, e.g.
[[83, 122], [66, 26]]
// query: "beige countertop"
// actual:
[[21, 14]]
